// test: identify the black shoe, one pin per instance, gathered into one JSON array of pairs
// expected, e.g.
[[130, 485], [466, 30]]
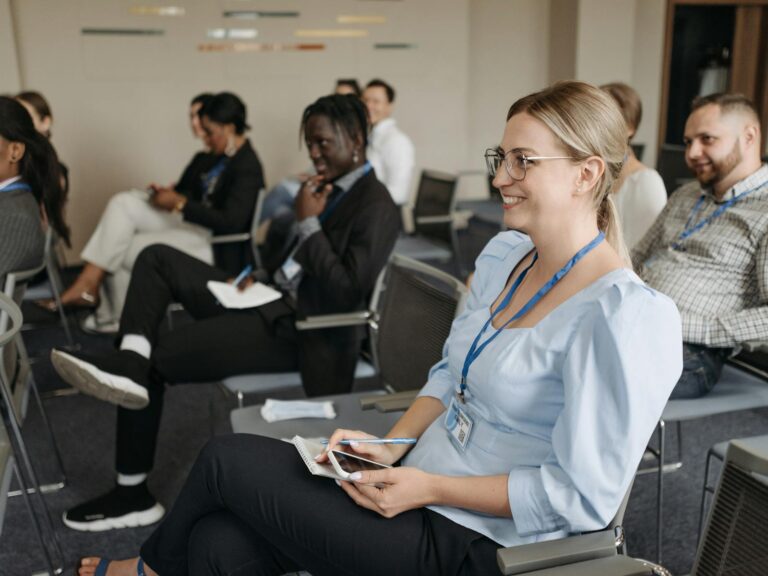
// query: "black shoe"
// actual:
[[123, 507], [120, 377]]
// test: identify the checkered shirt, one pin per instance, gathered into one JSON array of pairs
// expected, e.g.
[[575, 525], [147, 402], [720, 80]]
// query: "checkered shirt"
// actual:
[[719, 276]]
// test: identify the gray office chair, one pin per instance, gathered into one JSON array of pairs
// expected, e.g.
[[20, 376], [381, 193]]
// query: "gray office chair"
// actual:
[[540, 557], [435, 237], [12, 447], [737, 389], [250, 236], [17, 375], [52, 288], [408, 326], [735, 541]]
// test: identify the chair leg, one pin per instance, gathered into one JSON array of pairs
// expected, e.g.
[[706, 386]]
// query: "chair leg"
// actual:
[[51, 440], [36, 523], [19, 448], [660, 492], [706, 489], [55, 280]]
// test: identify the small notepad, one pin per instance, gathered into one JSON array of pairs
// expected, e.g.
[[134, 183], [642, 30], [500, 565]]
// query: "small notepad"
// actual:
[[308, 449], [257, 294]]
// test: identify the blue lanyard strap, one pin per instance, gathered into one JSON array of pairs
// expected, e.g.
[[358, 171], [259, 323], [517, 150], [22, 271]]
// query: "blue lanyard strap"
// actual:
[[475, 350], [16, 186], [211, 178], [691, 228]]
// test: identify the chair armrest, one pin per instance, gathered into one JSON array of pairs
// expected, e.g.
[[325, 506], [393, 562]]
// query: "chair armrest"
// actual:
[[230, 238], [434, 219], [540, 555], [399, 404], [610, 566], [334, 320], [405, 397]]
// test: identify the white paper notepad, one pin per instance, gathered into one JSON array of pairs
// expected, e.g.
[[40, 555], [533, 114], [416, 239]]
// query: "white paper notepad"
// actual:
[[257, 294]]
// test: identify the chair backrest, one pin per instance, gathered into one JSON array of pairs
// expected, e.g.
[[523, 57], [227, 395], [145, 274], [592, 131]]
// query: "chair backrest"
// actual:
[[671, 166], [257, 210], [13, 315], [415, 308], [735, 539], [15, 369], [435, 204]]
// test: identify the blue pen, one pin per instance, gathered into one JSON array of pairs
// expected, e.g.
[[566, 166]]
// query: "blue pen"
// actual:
[[243, 275], [376, 441]]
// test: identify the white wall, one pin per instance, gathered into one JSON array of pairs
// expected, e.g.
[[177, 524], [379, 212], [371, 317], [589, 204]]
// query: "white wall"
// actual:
[[509, 55], [10, 82], [622, 40], [120, 102]]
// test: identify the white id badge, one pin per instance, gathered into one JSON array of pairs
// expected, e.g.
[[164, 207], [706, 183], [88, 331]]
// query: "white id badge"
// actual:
[[459, 424], [290, 268]]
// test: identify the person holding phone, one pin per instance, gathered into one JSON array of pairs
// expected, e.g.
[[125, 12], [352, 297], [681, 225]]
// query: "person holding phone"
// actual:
[[347, 227], [531, 426], [216, 194]]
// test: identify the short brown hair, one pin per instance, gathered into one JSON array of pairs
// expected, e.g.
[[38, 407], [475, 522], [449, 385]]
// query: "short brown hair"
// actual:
[[728, 102], [629, 103]]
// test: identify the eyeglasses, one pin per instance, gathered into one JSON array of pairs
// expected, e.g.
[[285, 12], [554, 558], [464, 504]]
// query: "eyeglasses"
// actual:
[[515, 162]]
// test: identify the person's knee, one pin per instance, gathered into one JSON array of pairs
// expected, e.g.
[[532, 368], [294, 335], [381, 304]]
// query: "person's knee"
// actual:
[[221, 545], [154, 256]]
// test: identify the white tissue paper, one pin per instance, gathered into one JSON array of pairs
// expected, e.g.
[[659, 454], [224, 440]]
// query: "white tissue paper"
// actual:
[[275, 410]]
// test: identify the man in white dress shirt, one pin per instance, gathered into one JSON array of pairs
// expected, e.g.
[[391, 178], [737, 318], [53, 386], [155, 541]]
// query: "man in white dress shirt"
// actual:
[[390, 151]]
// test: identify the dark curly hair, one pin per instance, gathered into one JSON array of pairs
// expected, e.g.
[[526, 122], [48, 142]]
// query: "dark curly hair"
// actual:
[[346, 112]]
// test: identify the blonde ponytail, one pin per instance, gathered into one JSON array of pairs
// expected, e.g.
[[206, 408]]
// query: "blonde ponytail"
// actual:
[[608, 223]]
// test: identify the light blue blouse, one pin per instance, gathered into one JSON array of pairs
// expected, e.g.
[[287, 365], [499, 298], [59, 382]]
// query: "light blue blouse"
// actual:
[[565, 408]]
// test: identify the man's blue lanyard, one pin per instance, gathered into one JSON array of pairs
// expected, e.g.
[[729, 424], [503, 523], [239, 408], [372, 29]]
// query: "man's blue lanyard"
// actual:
[[690, 228], [331, 206], [16, 186], [475, 350], [211, 177]]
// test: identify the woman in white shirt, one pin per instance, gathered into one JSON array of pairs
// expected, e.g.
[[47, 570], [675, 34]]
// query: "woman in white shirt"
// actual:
[[639, 192], [560, 343]]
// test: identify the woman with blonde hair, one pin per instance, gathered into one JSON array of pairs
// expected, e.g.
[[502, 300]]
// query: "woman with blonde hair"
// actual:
[[524, 429], [639, 191]]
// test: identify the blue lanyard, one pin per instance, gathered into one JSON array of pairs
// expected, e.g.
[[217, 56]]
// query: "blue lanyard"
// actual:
[[692, 229], [339, 195], [211, 178], [16, 186], [475, 350]]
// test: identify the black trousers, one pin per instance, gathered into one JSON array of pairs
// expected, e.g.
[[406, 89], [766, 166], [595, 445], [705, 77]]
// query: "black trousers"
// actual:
[[249, 506], [220, 343]]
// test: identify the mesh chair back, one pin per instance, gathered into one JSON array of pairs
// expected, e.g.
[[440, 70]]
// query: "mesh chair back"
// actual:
[[435, 199], [416, 310], [735, 540]]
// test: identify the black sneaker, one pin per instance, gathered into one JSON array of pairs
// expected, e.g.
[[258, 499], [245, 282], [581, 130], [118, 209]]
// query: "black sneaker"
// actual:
[[123, 507], [120, 377]]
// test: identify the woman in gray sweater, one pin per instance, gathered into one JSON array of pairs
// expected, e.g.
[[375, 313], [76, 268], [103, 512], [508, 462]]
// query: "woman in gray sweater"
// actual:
[[30, 190]]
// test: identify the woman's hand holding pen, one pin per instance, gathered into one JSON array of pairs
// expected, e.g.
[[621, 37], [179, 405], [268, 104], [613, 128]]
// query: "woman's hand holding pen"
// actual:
[[391, 491], [384, 453], [312, 196]]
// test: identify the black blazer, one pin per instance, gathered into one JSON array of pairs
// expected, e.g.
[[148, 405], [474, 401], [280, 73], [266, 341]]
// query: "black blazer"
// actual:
[[229, 209], [340, 266], [191, 181]]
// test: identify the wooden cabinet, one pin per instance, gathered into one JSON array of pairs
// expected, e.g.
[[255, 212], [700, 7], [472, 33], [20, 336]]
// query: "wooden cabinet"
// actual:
[[711, 46]]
